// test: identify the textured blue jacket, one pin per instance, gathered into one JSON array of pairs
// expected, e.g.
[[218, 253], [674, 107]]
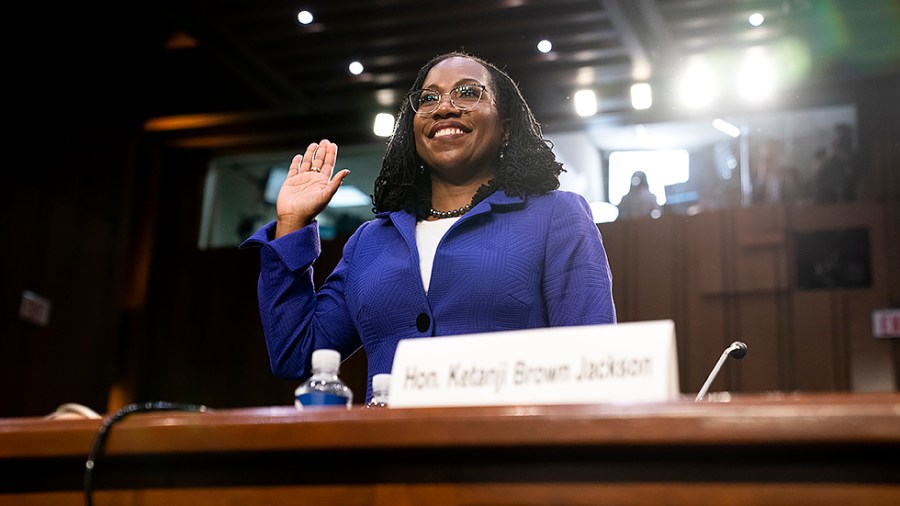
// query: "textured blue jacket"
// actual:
[[507, 264]]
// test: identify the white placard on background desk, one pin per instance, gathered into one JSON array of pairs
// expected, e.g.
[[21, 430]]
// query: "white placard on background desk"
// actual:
[[624, 362]]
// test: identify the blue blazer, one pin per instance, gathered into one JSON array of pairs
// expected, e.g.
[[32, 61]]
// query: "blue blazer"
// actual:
[[507, 264]]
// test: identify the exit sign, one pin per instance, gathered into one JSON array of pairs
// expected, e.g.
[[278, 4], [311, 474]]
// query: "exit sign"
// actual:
[[886, 322]]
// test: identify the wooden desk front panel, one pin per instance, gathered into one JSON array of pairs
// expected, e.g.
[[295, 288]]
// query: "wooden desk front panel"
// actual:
[[834, 449]]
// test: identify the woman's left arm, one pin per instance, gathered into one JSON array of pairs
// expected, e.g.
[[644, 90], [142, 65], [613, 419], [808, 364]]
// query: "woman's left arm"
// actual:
[[577, 278]]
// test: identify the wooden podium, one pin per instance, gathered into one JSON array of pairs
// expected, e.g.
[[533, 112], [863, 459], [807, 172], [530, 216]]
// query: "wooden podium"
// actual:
[[809, 449]]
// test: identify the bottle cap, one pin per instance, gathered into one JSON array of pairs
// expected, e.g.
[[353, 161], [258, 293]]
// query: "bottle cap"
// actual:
[[381, 382], [328, 360]]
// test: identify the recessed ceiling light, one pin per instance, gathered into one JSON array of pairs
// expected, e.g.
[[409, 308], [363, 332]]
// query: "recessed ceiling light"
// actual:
[[384, 124], [356, 68], [585, 103], [641, 96], [544, 46], [305, 17]]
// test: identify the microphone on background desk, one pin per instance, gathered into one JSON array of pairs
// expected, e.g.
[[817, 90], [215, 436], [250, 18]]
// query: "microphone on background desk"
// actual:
[[737, 350]]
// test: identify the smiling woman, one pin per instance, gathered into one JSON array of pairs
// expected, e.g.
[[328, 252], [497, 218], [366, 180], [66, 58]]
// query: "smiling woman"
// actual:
[[470, 235]]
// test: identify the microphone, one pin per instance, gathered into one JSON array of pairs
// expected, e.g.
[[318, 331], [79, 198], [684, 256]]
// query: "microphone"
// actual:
[[737, 350]]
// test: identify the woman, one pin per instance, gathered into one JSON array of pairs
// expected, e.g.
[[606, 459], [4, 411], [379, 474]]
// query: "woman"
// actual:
[[470, 233], [639, 202]]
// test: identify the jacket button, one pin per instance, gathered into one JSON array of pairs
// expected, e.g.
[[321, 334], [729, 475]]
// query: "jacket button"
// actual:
[[422, 322]]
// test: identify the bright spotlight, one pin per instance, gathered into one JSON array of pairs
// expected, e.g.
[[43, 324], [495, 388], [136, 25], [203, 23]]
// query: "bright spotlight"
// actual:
[[384, 124], [641, 96], [356, 68], [544, 46], [756, 19], [756, 78], [585, 103], [305, 17], [698, 85]]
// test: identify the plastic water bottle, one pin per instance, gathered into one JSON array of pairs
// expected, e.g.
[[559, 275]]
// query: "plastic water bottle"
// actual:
[[381, 387], [325, 387]]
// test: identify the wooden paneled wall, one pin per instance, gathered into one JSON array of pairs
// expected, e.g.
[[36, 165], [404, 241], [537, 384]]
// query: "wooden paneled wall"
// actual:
[[732, 275], [66, 213]]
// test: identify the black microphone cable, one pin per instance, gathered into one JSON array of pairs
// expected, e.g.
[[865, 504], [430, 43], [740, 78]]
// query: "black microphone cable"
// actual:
[[100, 438]]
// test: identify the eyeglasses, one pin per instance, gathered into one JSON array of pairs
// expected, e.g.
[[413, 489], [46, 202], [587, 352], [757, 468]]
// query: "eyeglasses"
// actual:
[[464, 97]]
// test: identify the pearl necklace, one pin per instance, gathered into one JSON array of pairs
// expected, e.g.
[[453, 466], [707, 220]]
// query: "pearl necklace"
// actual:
[[459, 211]]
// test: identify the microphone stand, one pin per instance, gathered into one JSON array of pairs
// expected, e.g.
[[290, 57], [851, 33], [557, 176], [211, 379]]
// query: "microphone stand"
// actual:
[[737, 350]]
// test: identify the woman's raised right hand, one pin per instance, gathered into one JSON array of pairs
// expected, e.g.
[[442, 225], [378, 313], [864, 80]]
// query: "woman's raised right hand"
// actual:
[[308, 187]]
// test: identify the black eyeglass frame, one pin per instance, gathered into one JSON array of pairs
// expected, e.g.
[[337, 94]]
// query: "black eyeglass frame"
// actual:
[[411, 98]]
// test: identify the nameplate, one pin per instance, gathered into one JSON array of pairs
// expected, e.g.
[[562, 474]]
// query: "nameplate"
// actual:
[[591, 364]]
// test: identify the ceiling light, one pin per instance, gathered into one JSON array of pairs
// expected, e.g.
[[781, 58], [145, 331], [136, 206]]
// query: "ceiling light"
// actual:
[[698, 85], [356, 68], [585, 76], [585, 103], [757, 77], [726, 127], [386, 97], [756, 19], [305, 17], [641, 96], [384, 124], [544, 46], [641, 70]]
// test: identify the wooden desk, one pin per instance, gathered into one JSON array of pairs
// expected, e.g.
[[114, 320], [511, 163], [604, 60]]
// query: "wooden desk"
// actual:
[[774, 449]]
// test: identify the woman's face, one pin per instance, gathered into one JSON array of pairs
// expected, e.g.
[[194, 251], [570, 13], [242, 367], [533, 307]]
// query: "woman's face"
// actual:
[[459, 144]]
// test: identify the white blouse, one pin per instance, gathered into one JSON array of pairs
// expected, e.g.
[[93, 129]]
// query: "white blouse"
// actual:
[[428, 236]]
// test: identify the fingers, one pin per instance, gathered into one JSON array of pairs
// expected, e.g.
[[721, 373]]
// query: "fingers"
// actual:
[[324, 152], [329, 157], [295, 165], [335, 183], [339, 177], [307, 160], [319, 157]]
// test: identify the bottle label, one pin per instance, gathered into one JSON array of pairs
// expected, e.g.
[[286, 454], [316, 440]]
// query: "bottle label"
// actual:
[[311, 399]]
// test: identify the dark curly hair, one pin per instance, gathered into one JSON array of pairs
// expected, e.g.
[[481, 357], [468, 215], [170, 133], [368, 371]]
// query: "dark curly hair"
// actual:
[[528, 165]]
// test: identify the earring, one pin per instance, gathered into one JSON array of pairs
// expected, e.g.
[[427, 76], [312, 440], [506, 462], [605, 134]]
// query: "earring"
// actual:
[[421, 168]]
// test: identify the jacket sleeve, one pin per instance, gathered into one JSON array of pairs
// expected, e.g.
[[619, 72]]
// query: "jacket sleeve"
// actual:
[[577, 278], [296, 319]]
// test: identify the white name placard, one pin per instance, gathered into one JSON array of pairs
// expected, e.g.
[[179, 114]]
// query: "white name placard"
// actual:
[[615, 363]]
